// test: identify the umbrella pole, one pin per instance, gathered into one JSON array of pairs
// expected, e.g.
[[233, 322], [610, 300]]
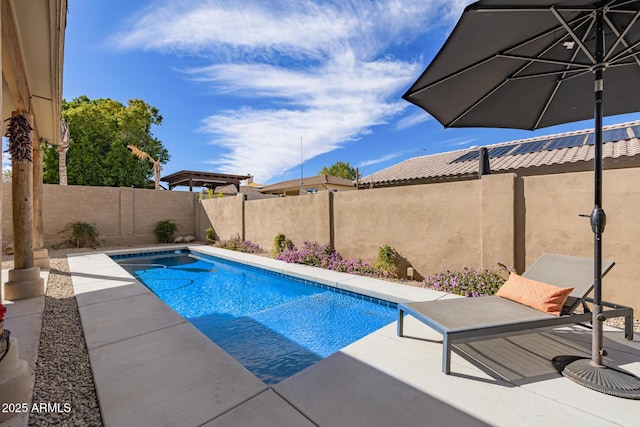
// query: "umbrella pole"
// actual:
[[593, 373], [598, 217]]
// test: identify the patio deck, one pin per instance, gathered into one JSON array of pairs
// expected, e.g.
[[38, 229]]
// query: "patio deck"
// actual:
[[151, 367]]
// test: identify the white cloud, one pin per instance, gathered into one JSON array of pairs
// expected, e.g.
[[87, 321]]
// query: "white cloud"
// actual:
[[380, 159], [459, 142], [323, 71], [413, 119]]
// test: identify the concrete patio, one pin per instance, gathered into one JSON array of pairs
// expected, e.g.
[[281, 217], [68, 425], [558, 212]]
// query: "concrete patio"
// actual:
[[153, 368]]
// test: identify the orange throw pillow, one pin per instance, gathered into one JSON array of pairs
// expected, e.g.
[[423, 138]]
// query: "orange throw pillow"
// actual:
[[538, 295]]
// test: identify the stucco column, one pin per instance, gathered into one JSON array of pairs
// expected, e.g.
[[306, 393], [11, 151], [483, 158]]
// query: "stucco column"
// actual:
[[40, 254], [24, 279], [498, 219]]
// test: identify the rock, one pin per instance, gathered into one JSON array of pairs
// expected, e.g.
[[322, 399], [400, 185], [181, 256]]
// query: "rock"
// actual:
[[178, 239], [188, 239], [8, 250]]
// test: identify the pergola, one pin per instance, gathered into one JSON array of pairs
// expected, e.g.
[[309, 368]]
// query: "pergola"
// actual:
[[202, 179]]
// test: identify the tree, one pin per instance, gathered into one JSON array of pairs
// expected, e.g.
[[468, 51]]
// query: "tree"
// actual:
[[100, 131], [341, 170]]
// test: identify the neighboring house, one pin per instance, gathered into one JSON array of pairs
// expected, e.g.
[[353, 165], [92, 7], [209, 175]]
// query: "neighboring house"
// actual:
[[309, 185], [251, 192], [543, 155]]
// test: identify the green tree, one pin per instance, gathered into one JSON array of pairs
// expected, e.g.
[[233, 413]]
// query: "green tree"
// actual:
[[100, 131], [340, 169]]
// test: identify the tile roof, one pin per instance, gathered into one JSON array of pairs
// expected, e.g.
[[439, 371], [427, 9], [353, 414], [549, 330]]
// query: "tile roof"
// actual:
[[443, 166]]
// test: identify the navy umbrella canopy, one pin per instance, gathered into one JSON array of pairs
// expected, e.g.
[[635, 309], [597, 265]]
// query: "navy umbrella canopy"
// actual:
[[531, 64]]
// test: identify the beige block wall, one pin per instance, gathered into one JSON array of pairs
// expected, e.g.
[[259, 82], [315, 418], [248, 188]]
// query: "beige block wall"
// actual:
[[299, 218], [434, 227], [498, 220], [225, 215], [122, 216], [553, 225], [152, 206]]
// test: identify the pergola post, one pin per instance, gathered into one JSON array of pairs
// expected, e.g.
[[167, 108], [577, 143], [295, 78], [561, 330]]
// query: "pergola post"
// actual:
[[24, 280]]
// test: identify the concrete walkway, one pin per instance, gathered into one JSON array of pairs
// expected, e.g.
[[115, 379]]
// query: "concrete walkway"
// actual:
[[24, 319], [152, 368]]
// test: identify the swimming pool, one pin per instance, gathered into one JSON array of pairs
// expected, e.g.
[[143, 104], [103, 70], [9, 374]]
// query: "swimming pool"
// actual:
[[273, 324]]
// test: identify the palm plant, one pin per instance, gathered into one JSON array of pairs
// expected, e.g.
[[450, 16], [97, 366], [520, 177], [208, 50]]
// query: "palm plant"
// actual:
[[157, 167]]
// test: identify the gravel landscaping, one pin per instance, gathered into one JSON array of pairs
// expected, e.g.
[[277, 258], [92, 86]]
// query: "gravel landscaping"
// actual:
[[63, 370]]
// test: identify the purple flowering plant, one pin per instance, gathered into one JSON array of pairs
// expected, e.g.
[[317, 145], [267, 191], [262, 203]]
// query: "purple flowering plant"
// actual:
[[469, 282], [235, 243], [317, 255]]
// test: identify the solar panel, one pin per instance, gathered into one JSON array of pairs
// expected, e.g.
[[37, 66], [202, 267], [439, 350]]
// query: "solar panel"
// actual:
[[565, 142], [530, 147], [609, 135], [500, 151], [467, 156]]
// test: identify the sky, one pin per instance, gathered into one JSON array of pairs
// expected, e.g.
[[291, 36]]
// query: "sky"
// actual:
[[270, 88]]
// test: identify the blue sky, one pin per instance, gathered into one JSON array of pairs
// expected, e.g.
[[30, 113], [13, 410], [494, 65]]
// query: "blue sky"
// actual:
[[254, 86]]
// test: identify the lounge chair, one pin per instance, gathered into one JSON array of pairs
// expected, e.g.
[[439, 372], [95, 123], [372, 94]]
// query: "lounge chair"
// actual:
[[468, 319]]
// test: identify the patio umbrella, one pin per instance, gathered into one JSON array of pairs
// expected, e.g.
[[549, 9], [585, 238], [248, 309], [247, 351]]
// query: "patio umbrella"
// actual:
[[531, 64]]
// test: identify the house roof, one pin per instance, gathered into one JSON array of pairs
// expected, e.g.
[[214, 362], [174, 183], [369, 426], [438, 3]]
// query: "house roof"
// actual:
[[308, 181], [575, 151], [251, 192]]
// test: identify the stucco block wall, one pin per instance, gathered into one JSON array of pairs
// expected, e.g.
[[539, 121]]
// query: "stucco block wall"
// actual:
[[299, 218], [152, 206], [553, 225], [225, 215], [122, 216], [434, 227]]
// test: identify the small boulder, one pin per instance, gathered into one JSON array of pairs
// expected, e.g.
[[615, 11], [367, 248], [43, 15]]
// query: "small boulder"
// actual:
[[188, 239], [178, 239]]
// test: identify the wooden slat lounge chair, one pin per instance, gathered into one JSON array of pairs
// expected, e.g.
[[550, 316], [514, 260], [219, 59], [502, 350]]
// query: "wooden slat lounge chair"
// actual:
[[468, 319]]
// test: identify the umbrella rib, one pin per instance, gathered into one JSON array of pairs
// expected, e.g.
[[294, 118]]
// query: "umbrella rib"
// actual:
[[546, 61], [562, 80], [573, 35], [621, 35], [627, 53], [478, 102], [551, 73]]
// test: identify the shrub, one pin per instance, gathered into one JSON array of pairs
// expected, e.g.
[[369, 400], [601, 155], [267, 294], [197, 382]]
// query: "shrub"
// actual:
[[469, 283], [164, 230], [210, 235], [235, 243], [81, 234], [281, 244], [323, 256], [386, 261]]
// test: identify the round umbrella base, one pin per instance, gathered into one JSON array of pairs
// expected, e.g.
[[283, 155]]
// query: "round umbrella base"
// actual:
[[608, 380]]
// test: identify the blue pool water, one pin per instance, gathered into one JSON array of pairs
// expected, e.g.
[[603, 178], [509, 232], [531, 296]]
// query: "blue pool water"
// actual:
[[273, 325]]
